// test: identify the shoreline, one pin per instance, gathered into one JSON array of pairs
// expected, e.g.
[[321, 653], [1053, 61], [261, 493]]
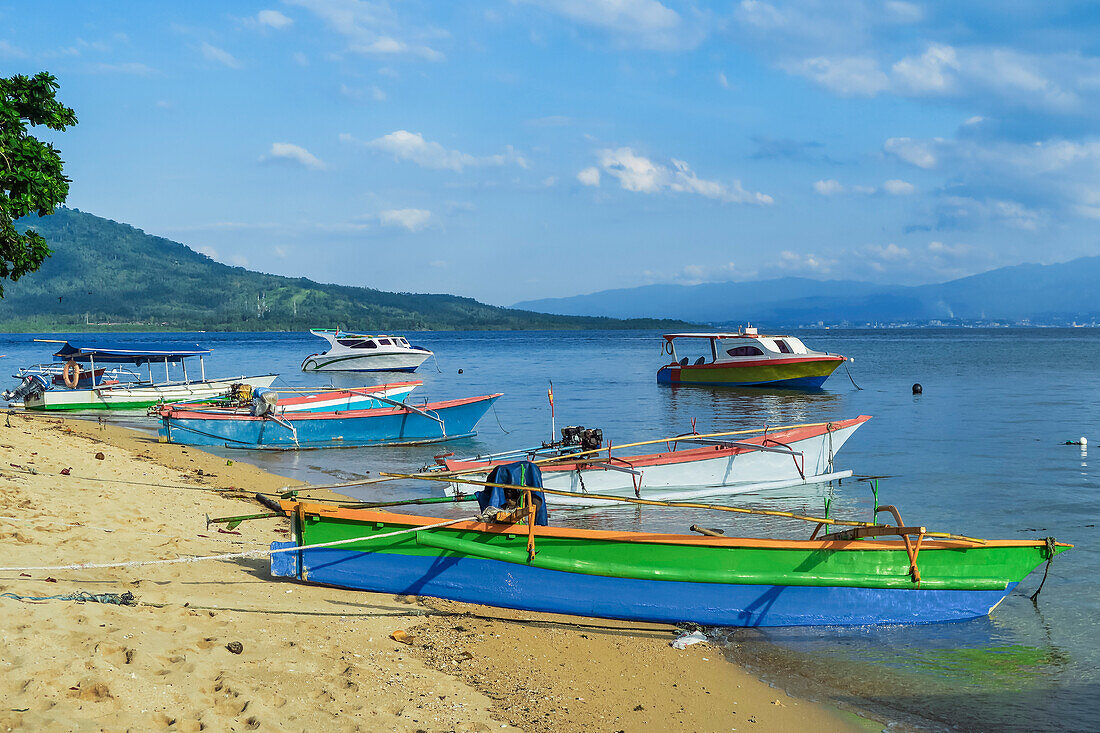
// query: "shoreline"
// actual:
[[310, 656]]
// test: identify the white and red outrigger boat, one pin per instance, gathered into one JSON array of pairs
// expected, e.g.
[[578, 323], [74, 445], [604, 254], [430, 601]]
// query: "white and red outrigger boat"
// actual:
[[692, 465]]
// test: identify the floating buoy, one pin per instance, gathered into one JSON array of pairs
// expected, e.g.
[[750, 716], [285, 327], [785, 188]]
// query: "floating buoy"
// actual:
[[460, 371], [1084, 440], [917, 389]]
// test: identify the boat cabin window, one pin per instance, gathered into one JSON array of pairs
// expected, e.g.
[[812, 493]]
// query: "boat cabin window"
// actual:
[[384, 342], [351, 343], [783, 346], [401, 342], [744, 351]]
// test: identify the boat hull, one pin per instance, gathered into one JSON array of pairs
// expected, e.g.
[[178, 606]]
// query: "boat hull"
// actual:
[[121, 397], [397, 361], [382, 426], [795, 372], [695, 472], [658, 578]]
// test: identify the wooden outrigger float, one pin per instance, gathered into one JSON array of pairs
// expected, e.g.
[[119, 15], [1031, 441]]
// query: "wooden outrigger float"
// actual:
[[849, 577]]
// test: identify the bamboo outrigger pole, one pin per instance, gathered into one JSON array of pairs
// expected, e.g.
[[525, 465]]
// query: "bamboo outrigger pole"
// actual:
[[684, 504]]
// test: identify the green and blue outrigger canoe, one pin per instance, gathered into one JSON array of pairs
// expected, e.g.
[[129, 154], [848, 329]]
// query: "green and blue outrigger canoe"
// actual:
[[714, 581]]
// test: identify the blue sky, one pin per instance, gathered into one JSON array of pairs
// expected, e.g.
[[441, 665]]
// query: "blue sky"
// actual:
[[533, 148]]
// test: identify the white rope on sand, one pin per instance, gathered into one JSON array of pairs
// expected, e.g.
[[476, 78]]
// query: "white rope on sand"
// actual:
[[233, 555]]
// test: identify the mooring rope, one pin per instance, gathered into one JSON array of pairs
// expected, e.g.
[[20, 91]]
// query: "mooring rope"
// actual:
[[80, 596], [232, 555], [850, 377], [1050, 559]]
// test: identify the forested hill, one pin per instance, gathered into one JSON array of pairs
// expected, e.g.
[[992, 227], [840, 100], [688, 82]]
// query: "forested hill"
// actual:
[[105, 275]]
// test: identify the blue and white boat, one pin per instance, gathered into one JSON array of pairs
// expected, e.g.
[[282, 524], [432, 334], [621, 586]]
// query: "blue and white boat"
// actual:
[[398, 423], [86, 385]]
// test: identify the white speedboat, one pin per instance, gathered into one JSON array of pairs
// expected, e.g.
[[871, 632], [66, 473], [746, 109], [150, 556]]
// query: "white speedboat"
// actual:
[[358, 352]]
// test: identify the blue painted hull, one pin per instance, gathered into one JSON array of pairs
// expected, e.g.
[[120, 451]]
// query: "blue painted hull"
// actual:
[[511, 585], [322, 430]]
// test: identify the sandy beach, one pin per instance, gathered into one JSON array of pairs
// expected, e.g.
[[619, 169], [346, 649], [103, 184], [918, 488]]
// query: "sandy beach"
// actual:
[[219, 645]]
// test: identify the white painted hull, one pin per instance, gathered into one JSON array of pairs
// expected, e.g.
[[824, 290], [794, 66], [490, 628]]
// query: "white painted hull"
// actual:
[[123, 397], [741, 472], [395, 361]]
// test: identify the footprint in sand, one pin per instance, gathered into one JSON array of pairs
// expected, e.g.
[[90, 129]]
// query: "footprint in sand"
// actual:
[[92, 690]]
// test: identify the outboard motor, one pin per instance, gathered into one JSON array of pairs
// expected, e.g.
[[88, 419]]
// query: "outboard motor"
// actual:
[[32, 384], [591, 439], [571, 435], [263, 401]]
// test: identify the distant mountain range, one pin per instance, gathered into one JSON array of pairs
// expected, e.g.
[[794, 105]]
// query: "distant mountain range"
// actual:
[[107, 275], [1061, 293]]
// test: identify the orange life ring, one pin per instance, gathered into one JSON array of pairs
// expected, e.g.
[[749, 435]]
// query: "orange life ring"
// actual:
[[71, 374]]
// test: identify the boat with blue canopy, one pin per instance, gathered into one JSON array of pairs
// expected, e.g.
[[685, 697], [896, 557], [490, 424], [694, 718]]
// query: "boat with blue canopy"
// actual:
[[96, 376]]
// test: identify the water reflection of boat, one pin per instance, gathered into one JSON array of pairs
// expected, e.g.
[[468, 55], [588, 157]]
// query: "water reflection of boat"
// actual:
[[748, 358]]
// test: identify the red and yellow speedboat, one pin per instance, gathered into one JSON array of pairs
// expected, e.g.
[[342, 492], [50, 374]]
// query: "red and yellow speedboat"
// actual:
[[747, 359]]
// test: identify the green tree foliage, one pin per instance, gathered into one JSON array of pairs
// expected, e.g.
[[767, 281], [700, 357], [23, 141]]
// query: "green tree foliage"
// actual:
[[106, 275], [31, 179]]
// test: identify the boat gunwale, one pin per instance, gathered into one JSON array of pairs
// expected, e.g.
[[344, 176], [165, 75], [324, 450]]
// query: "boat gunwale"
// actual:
[[169, 412], [373, 516], [727, 362], [688, 455]]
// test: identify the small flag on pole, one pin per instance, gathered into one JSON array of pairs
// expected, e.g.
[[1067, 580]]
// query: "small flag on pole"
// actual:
[[550, 396]]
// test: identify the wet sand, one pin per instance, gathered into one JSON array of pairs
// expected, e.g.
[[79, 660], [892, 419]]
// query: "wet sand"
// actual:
[[219, 645]]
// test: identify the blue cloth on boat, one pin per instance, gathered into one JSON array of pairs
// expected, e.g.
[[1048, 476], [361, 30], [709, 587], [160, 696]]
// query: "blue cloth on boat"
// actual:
[[520, 473]]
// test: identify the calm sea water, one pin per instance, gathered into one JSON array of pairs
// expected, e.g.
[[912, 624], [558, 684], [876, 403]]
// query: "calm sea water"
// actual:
[[980, 452]]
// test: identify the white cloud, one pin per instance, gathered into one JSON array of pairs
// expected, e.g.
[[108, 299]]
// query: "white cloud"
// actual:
[[638, 173], [932, 72], [373, 92], [412, 219], [723, 81], [384, 45], [903, 12], [412, 146], [273, 19], [208, 251], [550, 181], [645, 23], [898, 188], [850, 76], [300, 58], [238, 260], [809, 263], [1002, 75], [829, 187], [6, 49], [373, 28], [698, 274], [589, 176], [940, 249], [921, 153], [295, 154], [219, 56], [964, 212], [133, 67]]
